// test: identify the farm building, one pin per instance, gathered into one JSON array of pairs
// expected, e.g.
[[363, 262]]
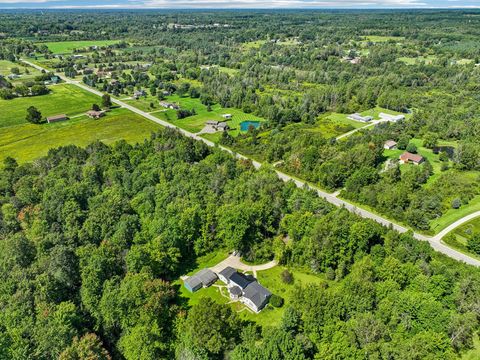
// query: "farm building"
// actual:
[[390, 145], [390, 117], [407, 158], [203, 278], [359, 117], [56, 118]]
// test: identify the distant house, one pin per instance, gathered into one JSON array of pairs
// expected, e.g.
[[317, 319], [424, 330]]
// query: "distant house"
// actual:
[[212, 122], [255, 296], [78, 56], [390, 145], [390, 117], [103, 73], [168, 105], [166, 93], [222, 126], [139, 93], [203, 278], [227, 116], [407, 158], [54, 79], [359, 117], [95, 114], [14, 76], [56, 118]]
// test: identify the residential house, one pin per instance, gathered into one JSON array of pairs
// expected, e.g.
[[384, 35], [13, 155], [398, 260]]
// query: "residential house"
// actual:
[[390, 145], [212, 122], [203, 278], [168, 105], [407, 158], [139, 93], [222, 126], [227, 116], [225, 274], [54, 79], [255, 296], [390, 117], [359, 117], [56, 118]]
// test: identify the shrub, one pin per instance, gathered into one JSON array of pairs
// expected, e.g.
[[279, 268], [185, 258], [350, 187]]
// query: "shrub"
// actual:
[[287, 277], [473, 244], [412, 148], [276, 301], [456, 203]]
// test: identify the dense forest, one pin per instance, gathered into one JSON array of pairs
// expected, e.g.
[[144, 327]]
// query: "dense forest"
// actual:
[[91, 240], [293, 69]]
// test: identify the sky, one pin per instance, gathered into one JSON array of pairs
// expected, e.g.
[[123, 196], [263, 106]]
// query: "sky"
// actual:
[[238, 4]]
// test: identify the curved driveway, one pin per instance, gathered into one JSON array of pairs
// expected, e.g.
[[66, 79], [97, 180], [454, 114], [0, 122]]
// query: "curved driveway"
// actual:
[[434, 241]]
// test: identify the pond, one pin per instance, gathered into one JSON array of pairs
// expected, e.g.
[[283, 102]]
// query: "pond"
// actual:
[[244, 125]]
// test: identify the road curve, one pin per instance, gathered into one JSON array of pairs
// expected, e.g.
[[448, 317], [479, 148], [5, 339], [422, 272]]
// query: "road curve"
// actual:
[[434, 241]]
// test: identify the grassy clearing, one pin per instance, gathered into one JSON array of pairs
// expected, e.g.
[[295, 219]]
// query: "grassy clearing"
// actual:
[[197, 122], [67, 47], [271, 279], [6, 69], [26, 142], [335, 124], [378, 38], [453, 215], [429, 59], [253, 44], [63, 99]]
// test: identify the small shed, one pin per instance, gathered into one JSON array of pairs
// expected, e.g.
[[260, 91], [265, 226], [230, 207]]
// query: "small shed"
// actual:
[[390, 145], [56, 118], [193, 283]]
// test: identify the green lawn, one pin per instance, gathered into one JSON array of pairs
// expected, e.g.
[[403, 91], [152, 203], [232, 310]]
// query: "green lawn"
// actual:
[[417, 60], [378, 38], [66, 47], [197, 122], [271, 279], [63, 99], [6, 67], [26, 142]]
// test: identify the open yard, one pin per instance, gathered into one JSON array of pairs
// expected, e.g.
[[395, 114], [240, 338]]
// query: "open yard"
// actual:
[[197, 122], [26, 142], [63, 99], [458, 237], [27, 73], [66, 47], [271, 279]]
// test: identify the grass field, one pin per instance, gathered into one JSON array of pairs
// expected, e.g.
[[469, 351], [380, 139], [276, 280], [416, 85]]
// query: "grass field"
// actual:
[[377, 38], [197, 122], [67, 47], [6, 67], [26, 142], [63, 99], [335, 124], [417, 60]]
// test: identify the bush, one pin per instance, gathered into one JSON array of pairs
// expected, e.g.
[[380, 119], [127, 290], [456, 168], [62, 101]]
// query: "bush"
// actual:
[[473, 244], [276, 301], [287, 277], [456, 203], [412, 148]]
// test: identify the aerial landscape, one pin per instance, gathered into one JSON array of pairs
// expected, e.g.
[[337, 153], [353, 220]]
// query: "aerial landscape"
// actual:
[[197, 180]]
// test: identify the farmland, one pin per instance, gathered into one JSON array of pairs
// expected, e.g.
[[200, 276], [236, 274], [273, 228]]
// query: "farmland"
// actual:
[[63, 99], [67, 47], [26, 142]]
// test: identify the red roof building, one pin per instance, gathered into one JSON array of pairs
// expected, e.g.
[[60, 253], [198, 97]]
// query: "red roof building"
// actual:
[[407, 158]]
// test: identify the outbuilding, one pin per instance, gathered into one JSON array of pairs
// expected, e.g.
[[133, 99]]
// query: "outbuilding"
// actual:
[[390, 145], [56, 118]]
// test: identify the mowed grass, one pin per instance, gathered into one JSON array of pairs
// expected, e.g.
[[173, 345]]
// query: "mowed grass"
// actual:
[[6, 69], [67, 47], [379, 38], [194, 123], [417, 60], [271, 279], [63, 99], [26, 142]]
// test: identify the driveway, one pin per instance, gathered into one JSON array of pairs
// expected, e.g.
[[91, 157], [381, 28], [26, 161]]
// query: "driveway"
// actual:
[[236, 263]]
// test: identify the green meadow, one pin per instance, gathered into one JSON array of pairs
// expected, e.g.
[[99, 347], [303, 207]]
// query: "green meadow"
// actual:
[[62, 99], [65, 47], [26, 142]]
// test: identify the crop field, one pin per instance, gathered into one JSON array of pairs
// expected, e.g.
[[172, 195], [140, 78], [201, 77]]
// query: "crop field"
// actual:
[[66, 47], [63, 99], [26, 142]]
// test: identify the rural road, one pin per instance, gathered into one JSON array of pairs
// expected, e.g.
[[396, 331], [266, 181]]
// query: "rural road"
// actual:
[[434, 241]]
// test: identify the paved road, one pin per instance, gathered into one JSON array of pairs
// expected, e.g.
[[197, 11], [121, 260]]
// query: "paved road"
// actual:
[[434, 241]]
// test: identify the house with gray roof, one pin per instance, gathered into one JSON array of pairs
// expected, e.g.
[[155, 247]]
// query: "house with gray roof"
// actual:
[[359, 117], [255, 296], [203, 278], [225, 274]]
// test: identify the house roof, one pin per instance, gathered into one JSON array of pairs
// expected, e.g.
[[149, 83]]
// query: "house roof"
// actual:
[[240, 280], [227, 272], [57, 117], [257, 294], [235, 290], [390, 143], [406, 156], [206, 276], [193, 282], [223, 124]]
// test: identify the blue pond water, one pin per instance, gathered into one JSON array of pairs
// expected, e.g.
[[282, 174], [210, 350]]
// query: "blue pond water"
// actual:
[[244, 125]]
